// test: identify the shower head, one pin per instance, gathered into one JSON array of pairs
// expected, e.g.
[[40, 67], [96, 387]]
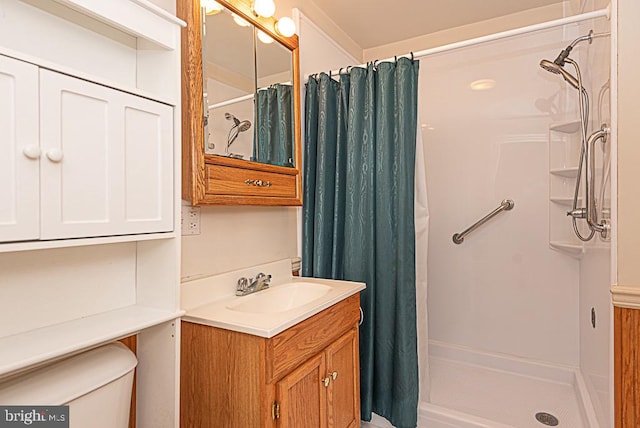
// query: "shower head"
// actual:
[[556, 68], [229, 116]]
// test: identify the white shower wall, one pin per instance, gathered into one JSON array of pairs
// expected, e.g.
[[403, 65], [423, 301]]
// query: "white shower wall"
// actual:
[[596, 262], [504, 290]]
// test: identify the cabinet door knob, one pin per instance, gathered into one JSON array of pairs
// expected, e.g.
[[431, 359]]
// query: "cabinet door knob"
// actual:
[[32, 151], [326, 381], [334, 375], [55, 155]]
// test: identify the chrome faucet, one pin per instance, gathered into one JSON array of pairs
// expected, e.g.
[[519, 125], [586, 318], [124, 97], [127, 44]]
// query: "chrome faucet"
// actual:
[[251, 285]]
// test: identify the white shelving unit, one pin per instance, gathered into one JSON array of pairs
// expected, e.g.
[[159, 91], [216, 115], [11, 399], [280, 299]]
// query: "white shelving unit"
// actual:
[[64, 295], [564, 152], [23, 351]]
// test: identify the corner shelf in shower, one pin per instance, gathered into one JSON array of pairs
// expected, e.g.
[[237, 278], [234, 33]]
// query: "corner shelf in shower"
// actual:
[[571, 172], [564, 141], [564, 200], [570, 127], [569, 248]]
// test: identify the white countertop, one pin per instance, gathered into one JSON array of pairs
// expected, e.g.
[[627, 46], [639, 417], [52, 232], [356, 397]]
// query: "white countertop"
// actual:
[[212, 301]]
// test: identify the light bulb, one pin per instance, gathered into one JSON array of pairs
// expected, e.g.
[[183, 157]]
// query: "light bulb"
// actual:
[[211, 7], [264, 37], [264, 8], [241, 22], [286, 27]]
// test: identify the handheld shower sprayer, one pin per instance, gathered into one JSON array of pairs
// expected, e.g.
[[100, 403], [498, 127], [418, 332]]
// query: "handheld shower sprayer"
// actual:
[[557, 66], [588, 213]]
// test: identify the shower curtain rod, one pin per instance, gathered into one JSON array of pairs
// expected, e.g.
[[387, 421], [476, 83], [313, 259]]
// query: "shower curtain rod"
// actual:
[[496, 36], [238, 99], [231, 101]]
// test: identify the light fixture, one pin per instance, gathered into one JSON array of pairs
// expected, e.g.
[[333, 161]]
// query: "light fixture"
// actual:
[[211, 7], [264, 37], [286, 27], [241, 22], [264, 8], [482, 84]]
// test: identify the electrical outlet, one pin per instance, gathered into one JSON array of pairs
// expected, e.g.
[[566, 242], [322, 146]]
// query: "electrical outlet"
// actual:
[[190, 221]]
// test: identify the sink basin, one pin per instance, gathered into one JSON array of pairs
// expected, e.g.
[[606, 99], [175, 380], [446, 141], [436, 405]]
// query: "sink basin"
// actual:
[[288, 301], [280, 299]]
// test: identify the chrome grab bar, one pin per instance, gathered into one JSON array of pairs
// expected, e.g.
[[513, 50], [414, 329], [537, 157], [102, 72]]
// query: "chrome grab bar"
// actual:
[[506, 205], [591, 203]]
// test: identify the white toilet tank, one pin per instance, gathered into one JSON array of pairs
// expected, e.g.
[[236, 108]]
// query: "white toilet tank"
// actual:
[[96, 385]]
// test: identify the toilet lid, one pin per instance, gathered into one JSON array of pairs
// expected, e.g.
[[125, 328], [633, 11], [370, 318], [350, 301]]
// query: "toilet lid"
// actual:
[[63, 381]]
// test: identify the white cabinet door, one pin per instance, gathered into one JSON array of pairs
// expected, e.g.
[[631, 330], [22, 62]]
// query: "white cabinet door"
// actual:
[[19, 151], [107, 162]]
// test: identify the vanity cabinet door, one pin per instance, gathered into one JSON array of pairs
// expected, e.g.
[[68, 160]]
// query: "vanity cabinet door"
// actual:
[[107, 160], [19, 151], [302, 396], [343, 393]]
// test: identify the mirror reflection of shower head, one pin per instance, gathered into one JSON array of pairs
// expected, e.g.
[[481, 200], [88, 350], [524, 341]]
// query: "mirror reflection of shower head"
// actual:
[[229, 116], [244, 126], [237, 127]]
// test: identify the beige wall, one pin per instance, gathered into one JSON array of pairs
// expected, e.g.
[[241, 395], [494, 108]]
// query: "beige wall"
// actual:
[[628, 143], [483, 28], [236, 237], [319, 18]]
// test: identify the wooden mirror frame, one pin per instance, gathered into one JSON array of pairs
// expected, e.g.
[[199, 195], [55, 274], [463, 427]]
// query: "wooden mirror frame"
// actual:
[[218, 180]]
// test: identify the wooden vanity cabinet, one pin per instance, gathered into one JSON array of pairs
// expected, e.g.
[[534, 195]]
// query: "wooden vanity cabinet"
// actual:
[[306, 376]]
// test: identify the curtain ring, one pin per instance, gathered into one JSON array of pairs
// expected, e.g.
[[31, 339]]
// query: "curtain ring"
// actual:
[[330, 76], [340, 72], [395, 59], [411, 56]]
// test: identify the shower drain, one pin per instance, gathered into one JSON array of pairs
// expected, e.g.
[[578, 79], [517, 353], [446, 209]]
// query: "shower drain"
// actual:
[[547, 419]]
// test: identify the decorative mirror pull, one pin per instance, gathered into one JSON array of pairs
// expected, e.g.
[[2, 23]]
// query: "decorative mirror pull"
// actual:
[[257, 183]]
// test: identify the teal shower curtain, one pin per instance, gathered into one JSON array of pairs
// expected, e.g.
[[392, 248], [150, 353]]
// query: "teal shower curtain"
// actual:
[[358, 218], [273, 133]]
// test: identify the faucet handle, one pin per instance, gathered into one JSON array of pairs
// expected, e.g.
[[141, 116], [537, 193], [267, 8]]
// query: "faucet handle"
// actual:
[[243, 283], [261, 277]]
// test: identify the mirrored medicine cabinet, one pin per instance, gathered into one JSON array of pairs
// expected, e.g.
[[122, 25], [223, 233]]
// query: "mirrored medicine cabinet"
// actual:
[[241, 108]]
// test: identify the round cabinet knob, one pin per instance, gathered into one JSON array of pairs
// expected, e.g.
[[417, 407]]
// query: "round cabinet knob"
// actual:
[[32, 151], [334, 375], [55, 155]]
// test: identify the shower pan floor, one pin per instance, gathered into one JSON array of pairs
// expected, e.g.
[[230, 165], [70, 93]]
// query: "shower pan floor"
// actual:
[[505, 398]]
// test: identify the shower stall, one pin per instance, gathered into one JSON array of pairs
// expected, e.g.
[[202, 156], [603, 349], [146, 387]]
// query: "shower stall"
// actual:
[[519, 312]]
